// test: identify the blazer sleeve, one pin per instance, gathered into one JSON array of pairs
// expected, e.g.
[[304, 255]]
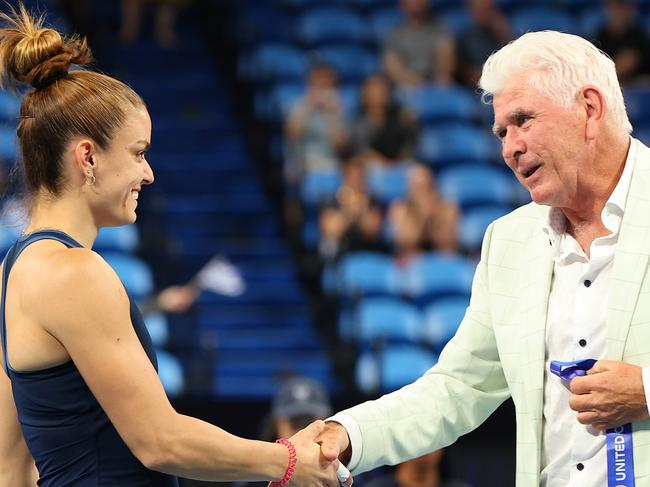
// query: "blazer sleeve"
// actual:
[[452, 398]]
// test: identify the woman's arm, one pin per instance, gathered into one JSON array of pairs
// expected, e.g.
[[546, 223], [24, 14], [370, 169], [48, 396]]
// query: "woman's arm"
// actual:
[[87, 310], [16, 463]]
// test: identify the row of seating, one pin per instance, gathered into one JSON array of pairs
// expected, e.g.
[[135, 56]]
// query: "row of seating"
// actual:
[[327, 22]]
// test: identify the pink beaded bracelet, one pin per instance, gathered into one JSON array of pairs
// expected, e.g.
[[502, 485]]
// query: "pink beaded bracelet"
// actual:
[[292, 464]]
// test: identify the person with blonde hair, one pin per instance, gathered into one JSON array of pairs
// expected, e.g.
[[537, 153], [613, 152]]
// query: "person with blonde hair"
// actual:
[[559, 318], [88, 407]]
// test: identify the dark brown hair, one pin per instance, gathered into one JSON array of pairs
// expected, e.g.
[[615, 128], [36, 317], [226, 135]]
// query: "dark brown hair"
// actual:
[[63, 104]]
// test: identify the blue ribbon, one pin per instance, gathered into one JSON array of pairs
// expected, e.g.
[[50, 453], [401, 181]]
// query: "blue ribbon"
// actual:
[[620, 462]]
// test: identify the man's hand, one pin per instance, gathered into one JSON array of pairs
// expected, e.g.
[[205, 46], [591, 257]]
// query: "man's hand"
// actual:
[[311, 468], [334, 442], [611, 394]]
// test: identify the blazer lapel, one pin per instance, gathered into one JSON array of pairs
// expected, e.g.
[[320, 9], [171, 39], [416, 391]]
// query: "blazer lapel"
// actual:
[[631, 258]]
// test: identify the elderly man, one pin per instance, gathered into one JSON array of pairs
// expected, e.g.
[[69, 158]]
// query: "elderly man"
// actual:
[[562, 278]]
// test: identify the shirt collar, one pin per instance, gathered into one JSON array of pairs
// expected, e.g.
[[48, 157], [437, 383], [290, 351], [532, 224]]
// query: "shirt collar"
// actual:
[[555, 224]]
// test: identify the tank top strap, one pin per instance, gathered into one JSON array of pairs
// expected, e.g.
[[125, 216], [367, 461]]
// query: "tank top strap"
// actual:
[[10, 259]]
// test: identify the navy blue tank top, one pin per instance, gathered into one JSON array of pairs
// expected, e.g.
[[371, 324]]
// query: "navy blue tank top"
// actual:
[[67, 432]]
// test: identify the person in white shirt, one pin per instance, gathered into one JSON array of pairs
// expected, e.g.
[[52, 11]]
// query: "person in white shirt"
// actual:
[[562, 278]]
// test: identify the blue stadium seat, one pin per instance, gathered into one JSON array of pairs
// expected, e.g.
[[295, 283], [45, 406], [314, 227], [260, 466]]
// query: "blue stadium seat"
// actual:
[[170, 372], [282, 99], [350, 61], [387, 320], [321, 25], [134, 273], [123, 239], [276, 62], [9, 107], [8, 236], [392, 368], [456, 143], [529, 19], [456, 20], [477, 184], [260, 23], [637, 102], [475, 221], [441, 103], [365, 273], [319, 186], [157, 327], [441, 320], [382, 23], [8, 143], [591, 21], [435, 275], [387, 182]]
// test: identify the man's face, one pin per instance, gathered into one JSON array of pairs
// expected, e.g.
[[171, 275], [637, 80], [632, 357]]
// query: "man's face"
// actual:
[[542, 143]]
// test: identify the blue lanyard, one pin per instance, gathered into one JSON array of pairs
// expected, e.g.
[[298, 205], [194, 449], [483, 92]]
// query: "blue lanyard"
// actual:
[[620, 462]]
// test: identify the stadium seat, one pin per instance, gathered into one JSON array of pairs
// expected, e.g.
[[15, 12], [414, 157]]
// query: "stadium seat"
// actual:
[[321, 25], [123, 239], [637, 102], [441, 104], [530, 19], [441, 320], [474, 222], [170, 372], [365, 274], [455, 143], [456, 20], [8, 143], [9, 107], [471, 185], [350, 61], [387, 182], [276, 62], [435, 275], [382, 23], [393, 367], [319, 186], [134, 273], [387, 320], [157, 327], [261, 23]]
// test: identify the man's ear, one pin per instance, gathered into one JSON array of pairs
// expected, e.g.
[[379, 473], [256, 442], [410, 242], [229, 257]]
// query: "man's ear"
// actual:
[[595, 108]]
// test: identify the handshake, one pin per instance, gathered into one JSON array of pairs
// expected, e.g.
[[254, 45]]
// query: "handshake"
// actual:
[[318, 450]]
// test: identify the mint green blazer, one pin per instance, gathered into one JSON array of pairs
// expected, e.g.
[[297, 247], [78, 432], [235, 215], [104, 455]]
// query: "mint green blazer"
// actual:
[[498, 350]]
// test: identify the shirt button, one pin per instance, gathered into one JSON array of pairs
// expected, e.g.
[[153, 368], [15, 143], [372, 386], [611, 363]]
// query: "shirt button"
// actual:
[[580, 467], [587, 283], [582, 342]]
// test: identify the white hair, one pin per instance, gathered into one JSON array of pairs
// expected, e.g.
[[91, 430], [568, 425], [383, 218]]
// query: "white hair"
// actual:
[[560, 66]]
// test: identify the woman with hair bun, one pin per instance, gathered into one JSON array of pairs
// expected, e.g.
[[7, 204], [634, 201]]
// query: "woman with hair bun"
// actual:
[[88, 408]]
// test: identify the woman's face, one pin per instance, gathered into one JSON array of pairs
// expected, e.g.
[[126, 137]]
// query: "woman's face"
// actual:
[[376, 92], [121, 170]]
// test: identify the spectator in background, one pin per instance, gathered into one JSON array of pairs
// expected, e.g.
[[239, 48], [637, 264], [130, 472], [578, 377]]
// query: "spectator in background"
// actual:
[[624, 40], [299, 402], [315, 129], [420, 50], [354, 221], [488, 32], [425, 471], [164, 21], [434, 220], [382, 119]]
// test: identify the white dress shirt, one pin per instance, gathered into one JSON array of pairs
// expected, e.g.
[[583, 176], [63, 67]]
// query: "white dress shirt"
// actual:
[[572, 454]]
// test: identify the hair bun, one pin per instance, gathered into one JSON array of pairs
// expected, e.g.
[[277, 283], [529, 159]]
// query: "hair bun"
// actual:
[[36, 55]]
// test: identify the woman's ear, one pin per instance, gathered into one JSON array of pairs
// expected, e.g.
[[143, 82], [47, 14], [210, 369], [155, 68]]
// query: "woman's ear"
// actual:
[[84, 153]]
